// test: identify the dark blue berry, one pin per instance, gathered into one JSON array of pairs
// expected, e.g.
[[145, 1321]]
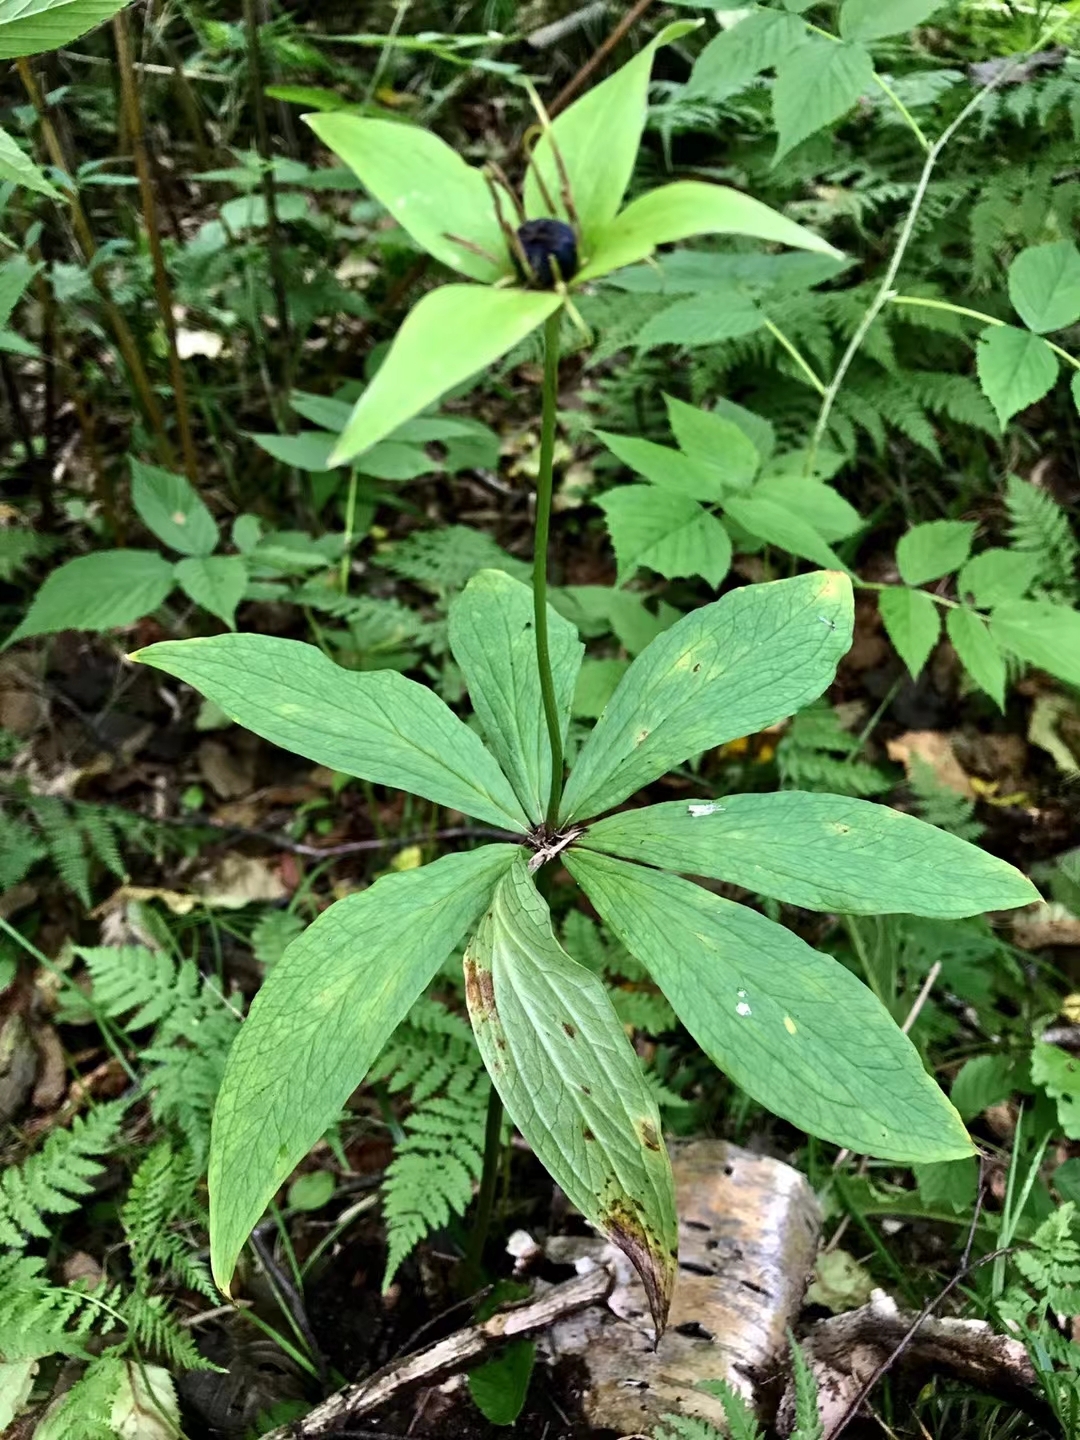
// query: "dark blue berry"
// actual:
[[544, 241]]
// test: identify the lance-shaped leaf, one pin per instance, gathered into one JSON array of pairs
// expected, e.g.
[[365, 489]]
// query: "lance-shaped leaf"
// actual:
[[321, 1018], [493, 639], [570, 1080], [451, 334], [377, 725], [690, 207], [17, 167], [427, 187], [823, 852], [598, 138], [750, 659], [27, 27], [793, 1028]]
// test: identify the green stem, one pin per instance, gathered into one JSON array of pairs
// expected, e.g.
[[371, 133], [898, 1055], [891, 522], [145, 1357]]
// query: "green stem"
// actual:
[[485, 1203], [796, 355], [350, 521], [925, 303], [543, 525]]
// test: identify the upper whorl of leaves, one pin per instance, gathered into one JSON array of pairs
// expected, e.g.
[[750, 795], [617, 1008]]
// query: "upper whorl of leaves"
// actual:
[[56, 1179]]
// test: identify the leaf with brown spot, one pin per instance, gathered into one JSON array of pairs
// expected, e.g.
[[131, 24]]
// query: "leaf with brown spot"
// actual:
[[571, 1082]]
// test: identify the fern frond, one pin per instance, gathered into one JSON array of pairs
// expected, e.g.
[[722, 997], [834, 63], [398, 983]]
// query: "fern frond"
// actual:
[[808, 1424], [156, 1331], [1039, 526], [56, 1179], [85, 1411], [37, 1318], [813, 755], [741, 1420], [686, 1427], [940, 806], [447, 559], [163, 1194], [20, 849], [67, 847]]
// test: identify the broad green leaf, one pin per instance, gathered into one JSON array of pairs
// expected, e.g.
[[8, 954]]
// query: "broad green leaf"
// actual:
[[948, 1184], [772, 522], [1041, 633], [812, 502], [691, 207], [321, 410], [249, 212], [598, 138], [822, 852], [559, 1058], [995, 575], [102, 591], [700, 321], [450, 335], [1015, 367], [596, 609], [926, 552], [664, 532], [493, 639], [597, 681], [17, 168], [377, 725], [307, 450], [499, 1386], [731, 668], [15, 277], [983, 1081], [912, 623], [793, 1028], [665, 466], [27, 27], [815, 85], [978, 652], [874, 19], [322, 1016], [216, 582], [716, 443], [760, 432], [426, 186], [738, 55], [1044, 286], [171, 510]]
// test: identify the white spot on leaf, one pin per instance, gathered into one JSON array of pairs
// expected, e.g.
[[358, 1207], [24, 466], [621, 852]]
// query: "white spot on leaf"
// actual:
[[709, 807]]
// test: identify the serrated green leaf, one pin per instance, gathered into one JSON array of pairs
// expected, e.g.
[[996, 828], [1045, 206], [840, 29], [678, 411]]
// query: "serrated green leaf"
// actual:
[[1058, 1073], [450, 335], [1042, 633], [493, 638], [103, 591], [171, 510], [598, 138], [822, 852], [793, 1028], [559, 1058], [691, 207], [815, 85], [17, 168], [714, 442], [936, 548], [996, 574], [216, 582], [321, 1018], [912, 623], [427, 187], [979, 653], [1044, 286], [814, 503], [739, 54], [869, 20], [983, 1081], [664, 532], [665, 466], [1015, 368], [728, 669], [377, 725], [773, 523], [27, 27]]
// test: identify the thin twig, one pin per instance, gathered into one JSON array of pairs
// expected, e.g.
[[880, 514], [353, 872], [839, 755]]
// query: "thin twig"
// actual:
[[599, 55], [352, 847], [269, 188]]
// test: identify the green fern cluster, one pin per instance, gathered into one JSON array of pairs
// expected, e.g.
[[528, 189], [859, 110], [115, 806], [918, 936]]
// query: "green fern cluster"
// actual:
[[193, 1027], [1050, 1266], [816, 753], [636, 999], [56, 1180], [446, 559], [742, 1423], [1039, 526], [70, 834], [438, 1160], [941, 806]]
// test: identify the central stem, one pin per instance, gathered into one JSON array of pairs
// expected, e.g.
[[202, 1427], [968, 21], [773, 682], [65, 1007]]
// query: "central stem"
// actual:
[[544, 485]]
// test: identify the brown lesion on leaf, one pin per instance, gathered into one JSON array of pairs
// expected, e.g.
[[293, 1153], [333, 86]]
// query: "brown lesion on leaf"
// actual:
[[587, 1134], [586, 1089], [479, 988], [641, 737], [570, 1030], [649, 1137], [650, 1257]]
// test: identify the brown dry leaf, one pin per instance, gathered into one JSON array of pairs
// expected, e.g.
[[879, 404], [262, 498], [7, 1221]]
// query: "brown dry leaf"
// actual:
[[118, 901], [24, 707], [228, 774], [52, 1069], [239, 880], [935, 748], [1045, 924]]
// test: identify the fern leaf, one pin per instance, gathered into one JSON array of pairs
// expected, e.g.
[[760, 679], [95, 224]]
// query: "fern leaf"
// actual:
[[940, 806], [85, 1411], [447, 559], [815, 755], [162, 1193], [686, 1427], [55, 1180], [37, 1319], [66, 845], [1039, 526], [741, 1420], [808, 1424]]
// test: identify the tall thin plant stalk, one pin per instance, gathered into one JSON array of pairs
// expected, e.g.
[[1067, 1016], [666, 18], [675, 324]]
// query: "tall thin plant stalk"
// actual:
[[129, 92], [125, 340], [269, 188]]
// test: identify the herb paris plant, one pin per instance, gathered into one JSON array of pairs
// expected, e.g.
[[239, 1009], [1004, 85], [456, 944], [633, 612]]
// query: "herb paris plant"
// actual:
[[794, 1028]]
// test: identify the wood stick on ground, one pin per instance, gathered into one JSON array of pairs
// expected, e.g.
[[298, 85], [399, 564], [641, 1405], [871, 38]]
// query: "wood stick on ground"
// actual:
[[572, 86], [446, 1357]]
